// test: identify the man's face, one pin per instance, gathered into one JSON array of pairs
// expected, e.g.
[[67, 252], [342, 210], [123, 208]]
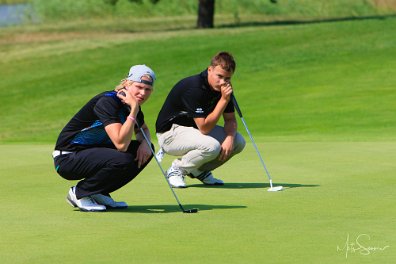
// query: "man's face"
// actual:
[[140, 91], [218, 77]]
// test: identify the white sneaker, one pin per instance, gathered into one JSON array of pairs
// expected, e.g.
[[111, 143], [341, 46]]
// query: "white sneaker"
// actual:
[[108, 201], [175, 177], [208, 179], [86, 204]]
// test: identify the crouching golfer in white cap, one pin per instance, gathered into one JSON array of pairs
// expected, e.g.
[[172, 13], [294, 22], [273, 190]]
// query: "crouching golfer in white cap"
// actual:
[[96, 145], [187, 123]]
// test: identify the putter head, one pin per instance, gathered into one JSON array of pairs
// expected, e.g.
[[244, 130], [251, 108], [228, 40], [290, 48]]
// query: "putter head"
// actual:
[[275, 189], [190, 211]]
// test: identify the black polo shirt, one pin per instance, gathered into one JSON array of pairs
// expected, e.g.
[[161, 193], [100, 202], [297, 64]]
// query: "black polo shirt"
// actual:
[[86, 128], [190, 98]]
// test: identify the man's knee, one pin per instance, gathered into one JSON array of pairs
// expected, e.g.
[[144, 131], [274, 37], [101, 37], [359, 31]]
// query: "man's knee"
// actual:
[[212, 148], [239, 143]]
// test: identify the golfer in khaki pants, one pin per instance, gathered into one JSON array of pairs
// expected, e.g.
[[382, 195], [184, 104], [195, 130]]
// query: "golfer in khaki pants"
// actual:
[[187, 123]]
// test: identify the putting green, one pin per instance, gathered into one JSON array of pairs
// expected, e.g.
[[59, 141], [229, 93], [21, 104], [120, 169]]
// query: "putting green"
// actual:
[[332, 190]]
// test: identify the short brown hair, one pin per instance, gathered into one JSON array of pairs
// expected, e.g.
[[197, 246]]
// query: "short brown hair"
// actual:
[[225, 60]]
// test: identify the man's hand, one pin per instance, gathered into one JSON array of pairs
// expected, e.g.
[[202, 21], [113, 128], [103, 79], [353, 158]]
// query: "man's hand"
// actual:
[[226, 149], [226, 91], [143, 153], [127, 98]]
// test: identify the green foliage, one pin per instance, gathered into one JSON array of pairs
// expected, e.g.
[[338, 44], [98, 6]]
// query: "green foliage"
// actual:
[[11, 2], [69, 9], [111, 2], [291, 9]]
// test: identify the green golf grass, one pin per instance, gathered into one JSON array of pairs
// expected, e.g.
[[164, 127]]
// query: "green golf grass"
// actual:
[[318, 99], [332, 189]]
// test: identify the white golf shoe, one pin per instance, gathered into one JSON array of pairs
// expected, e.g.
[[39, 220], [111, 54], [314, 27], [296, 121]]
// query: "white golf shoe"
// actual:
[[108, 201], [86, 204], [175, 177], [208, 179]]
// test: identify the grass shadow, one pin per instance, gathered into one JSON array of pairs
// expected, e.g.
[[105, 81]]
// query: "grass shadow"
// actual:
[[156, 209], [305, 21], [253, 185]]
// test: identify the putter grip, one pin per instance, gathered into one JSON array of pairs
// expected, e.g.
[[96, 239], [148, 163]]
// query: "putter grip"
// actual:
[[236, 105]]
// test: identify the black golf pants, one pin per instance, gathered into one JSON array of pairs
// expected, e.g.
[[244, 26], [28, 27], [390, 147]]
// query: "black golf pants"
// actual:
[[101, 170]]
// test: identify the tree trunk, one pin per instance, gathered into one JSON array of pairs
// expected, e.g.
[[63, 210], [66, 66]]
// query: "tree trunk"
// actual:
[[206, 13]]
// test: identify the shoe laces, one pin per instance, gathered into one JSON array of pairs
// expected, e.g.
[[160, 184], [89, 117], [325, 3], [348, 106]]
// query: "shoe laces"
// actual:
[[175, 172]]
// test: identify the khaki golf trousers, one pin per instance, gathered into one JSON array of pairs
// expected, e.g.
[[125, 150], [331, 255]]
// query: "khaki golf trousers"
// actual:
[[198, 152]]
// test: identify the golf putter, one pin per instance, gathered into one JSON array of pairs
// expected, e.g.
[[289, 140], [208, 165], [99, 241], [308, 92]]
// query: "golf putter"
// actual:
[[272, 188], [193, 210]]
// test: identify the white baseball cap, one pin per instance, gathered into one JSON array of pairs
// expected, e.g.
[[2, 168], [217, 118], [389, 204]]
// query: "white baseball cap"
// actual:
[[138, 71]]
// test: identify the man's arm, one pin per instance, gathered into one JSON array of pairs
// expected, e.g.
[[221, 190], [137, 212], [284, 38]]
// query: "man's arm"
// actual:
[[206, 124], [230, 124], [121, 134], [230, 128], [144, 150], [139, 135]]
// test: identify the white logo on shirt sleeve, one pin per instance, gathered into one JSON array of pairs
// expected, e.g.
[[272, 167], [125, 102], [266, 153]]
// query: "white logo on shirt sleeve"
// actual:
[[199, 110]]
